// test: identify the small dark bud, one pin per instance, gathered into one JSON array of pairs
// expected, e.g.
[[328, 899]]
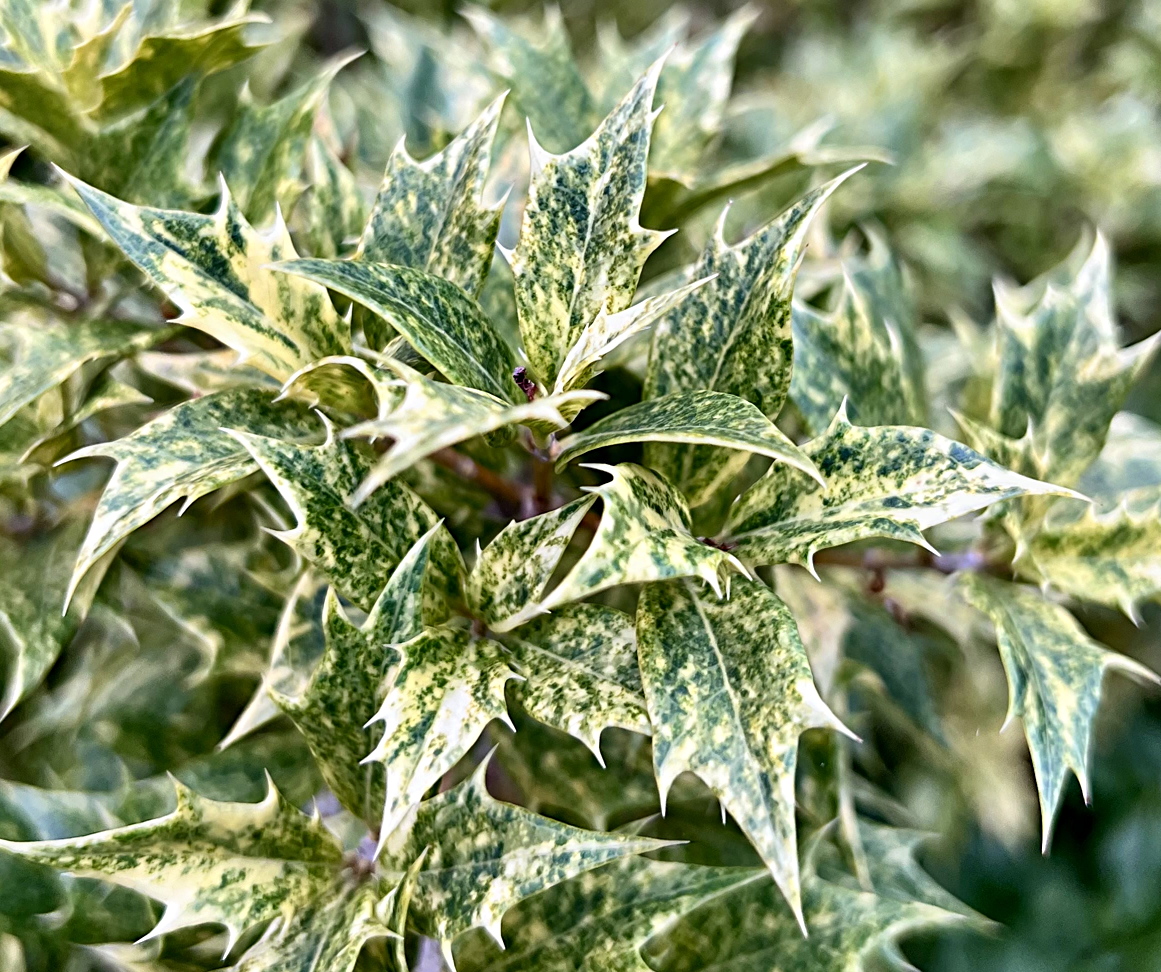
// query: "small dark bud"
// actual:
[[718, 544], [527, 385]]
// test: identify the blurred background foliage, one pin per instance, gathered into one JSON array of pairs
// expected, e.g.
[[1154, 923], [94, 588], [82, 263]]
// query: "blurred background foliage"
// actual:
[[1000, 132]]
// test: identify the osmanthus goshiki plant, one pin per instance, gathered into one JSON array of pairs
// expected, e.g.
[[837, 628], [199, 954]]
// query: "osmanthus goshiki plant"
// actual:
[[443, 606]]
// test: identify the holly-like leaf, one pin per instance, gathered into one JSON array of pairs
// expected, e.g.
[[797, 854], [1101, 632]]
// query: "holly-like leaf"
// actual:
[[1055, 672], [599, 921], [260, 154], [345, 689], [484, 856], [580, 666], [440, 321], [215, 268], [328, 933], [510, 574], [862, 351], [891, 482], [181, 453], [234, 864], [729, 691], [1062, 373], [700, 418], [448, 686], [1130, 460], [733, 335], [331, 212], [431, 215], [644, 535], [43, 354], [581, 246], [749, 929], [433, 415], [543, 77], [1112, 558], [355, 550]]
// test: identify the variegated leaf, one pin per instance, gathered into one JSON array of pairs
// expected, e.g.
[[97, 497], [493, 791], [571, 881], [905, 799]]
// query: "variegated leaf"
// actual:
[[448, 686], [700, 418], [215, 268], [644, 535], [234, 864], [749, 929], [863, 350], [440, 321], [181, 453], [581, 247], [891, 482], [599, 921], [326, 934], [431, 215], [542, 75], [260, 154], [1062, 373], [161, 60], [510, 574], [42, 354], [733, 335], [580, 666], [356, 550], [1130, 460], [346, 688], [729, 691], [1055, 671], [433, 415], [331, 212], [484, 856], [1112, 557], [608, 331]]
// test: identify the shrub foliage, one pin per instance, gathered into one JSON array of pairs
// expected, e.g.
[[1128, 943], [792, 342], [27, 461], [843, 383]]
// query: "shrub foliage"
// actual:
[[509, 585]]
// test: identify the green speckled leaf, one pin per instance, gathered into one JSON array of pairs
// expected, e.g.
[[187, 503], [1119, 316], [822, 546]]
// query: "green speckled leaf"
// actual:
[[261, 153], [356, 550], [215, 269], [484, 856], [546, 85], [698, 417], [581, 247], [1055, 672], [235, 864], [733, 335], [330, 213], [326, 935], [441, 322], [346, 688], [1062, 373], [730, 691], [52, 198], [580, 666], [448, 686], [181, 453], [609, 331], [433, 415], [863, 350], [598, 922], [644, 535], [750, 930], [891, 482], [1112, 558], [1130, 460], [41, 354], [431, 215], [510, 574]]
